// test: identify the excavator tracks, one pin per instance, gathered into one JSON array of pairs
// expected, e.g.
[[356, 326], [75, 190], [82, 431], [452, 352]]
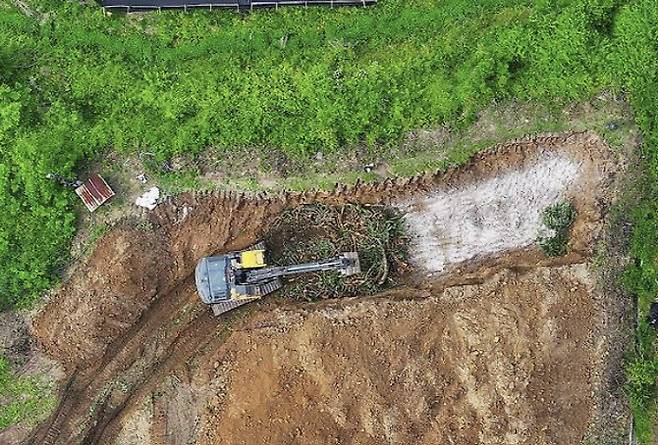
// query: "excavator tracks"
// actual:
[[225, 306], [269, 287]]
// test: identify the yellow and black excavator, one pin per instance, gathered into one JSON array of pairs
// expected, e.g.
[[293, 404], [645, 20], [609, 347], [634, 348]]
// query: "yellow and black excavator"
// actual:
[[236, 278]]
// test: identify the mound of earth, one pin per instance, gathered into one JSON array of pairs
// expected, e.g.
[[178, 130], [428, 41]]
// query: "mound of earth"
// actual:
[[503, 362], [490, 342]]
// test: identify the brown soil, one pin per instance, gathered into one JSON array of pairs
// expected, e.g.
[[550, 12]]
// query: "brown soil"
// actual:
[[502, 362], [506, 348]]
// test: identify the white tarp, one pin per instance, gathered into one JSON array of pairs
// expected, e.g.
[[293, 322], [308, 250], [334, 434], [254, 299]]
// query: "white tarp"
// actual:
[[149, 199]]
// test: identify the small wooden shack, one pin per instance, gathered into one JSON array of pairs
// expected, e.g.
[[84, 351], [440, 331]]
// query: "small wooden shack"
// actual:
[[94, 192]]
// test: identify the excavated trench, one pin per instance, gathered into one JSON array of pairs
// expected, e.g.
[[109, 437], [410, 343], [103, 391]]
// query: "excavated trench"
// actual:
[[490, 343]]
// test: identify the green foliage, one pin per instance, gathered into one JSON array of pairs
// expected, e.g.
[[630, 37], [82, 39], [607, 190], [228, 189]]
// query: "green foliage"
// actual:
[[557, 219], [641, 280], [36, 223], [641, 373], [633, 66], [23, 398], [297, 80]]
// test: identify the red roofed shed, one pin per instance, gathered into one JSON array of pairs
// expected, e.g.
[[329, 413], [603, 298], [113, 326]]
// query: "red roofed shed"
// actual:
[[94, 192]]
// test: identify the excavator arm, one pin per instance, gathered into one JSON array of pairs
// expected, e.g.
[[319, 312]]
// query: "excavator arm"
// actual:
[[347, 264], [231, 280]]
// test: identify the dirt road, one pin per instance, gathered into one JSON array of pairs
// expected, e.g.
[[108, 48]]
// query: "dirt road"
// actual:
[[492, 344]]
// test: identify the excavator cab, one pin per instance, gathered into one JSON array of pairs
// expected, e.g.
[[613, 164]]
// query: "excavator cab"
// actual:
[[250, 259], [211, 279], [236, 278]]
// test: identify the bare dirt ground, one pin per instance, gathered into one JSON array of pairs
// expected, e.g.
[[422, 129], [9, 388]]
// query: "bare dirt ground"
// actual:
[[490, 344], [493, 363]]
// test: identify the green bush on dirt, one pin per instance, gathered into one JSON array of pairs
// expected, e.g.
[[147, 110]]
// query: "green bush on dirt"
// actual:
[[317, 232], [557, 219]]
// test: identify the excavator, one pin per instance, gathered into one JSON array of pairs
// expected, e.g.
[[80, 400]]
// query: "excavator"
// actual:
[[228, 281]]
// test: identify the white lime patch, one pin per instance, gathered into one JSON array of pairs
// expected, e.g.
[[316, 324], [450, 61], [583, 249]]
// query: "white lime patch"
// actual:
[[496, 215]]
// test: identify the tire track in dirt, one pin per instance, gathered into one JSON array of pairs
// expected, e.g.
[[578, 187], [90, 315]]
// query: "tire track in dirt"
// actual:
[[186, 345], [155, 341], [84, 386]]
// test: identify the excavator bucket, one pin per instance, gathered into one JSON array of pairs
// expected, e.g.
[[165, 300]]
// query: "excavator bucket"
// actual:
[[351, 264]]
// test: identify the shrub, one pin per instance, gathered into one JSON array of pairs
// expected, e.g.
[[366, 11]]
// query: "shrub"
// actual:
[[557, 219]]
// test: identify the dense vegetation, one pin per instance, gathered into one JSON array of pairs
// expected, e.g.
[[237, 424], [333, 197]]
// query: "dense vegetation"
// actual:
[[74, 83]]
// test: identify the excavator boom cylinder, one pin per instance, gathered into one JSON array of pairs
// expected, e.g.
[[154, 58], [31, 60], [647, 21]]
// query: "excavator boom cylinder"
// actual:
[[282, 271]]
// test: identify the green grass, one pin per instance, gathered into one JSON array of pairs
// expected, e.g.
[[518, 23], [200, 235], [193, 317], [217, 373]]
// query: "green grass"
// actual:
[[641, 371], [641, 281], [24, 399], [95, 234]]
